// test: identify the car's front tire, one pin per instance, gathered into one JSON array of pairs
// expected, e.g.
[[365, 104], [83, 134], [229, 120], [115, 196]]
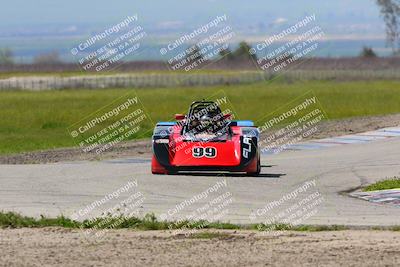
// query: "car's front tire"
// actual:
[[156, 167]]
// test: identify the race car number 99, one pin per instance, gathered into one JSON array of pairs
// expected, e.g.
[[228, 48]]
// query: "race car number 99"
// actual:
[[208, 152]]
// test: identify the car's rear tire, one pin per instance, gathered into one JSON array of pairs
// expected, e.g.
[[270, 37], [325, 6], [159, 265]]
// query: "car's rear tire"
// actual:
[[258, 168]]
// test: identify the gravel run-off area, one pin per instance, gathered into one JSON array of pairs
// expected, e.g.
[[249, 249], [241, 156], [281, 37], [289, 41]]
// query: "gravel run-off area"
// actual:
[[66, 247]]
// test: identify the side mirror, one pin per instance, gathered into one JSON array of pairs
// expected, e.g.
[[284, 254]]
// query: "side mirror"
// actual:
[[179, 117]]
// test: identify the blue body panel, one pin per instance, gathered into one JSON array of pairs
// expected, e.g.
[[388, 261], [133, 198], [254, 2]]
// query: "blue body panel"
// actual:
[[166, 123], [245, 123]]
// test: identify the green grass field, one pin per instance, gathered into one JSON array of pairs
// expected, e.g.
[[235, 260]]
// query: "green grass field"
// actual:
[[384, 184], [12, 220], [39, 120], [150, 222]]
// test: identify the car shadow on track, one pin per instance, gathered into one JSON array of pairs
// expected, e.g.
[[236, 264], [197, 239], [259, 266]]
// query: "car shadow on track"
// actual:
[[261, 175]]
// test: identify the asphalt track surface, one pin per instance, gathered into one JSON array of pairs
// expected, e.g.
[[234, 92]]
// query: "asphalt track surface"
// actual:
[[65, 188]]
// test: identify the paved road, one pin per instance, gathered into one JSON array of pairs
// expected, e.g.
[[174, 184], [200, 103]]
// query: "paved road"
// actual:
[[65, 188]]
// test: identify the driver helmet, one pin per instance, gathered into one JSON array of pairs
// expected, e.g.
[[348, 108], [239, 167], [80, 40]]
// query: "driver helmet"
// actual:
[[206, 121]]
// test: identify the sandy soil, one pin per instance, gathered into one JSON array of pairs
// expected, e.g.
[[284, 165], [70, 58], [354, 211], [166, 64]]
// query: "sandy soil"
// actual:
[[122, 150], [143, 148], [64, 247]]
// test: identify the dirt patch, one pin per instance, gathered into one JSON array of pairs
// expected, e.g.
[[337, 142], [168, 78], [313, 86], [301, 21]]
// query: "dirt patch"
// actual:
[[121, 150], [64, 247], [354, 125], [143, 148]]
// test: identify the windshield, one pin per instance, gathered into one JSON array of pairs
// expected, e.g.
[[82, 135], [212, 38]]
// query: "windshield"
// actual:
[[207, 120]]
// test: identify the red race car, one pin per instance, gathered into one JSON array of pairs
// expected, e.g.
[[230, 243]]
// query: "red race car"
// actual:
[[205, 140]]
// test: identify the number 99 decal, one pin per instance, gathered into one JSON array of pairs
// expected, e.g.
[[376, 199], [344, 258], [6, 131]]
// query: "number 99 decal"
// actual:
[[208, 152]]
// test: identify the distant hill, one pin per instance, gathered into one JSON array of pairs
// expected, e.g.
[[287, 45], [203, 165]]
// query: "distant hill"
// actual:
[[31, 27]]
